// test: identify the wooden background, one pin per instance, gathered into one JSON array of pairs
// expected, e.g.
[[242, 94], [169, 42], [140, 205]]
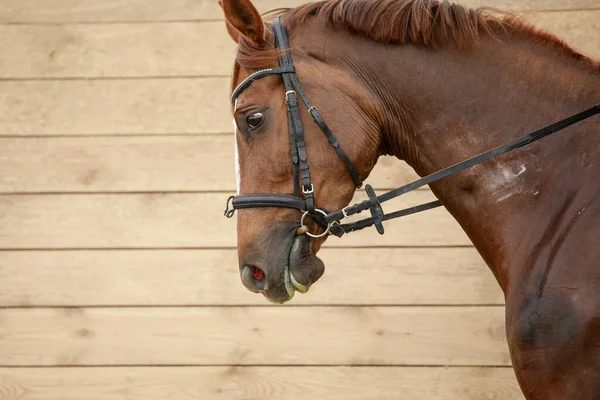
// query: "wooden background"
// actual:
[[118, 276]]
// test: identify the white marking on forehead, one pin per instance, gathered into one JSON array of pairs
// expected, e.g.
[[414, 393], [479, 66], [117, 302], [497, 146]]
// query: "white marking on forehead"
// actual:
[[237, 158]]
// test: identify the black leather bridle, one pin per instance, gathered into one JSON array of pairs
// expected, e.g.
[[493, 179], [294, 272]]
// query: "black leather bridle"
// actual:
[[303, 197], [330, 221]]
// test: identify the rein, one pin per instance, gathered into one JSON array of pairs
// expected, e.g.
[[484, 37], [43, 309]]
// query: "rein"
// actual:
[[374, 202], [330, 221]]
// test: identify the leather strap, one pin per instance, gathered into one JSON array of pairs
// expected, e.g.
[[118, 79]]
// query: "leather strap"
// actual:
[[367, 222], [294, 121], [257, 75], [268, 200], [279, 201], [515, 144], [316, 116]]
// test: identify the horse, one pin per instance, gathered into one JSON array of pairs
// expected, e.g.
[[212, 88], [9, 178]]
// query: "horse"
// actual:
[[431, 83]]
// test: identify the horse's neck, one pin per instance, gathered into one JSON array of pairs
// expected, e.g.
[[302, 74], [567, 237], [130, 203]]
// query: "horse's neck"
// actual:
[[447, 107]]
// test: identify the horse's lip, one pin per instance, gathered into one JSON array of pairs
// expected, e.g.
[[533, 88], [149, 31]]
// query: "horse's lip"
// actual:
[[291, 284], [298, 286], [295, 284]]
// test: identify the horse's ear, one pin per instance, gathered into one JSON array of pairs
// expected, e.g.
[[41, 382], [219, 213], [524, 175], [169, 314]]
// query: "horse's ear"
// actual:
[[242, 18]]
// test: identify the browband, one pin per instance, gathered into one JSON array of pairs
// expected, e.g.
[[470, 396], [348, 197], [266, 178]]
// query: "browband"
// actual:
[[257, 75]]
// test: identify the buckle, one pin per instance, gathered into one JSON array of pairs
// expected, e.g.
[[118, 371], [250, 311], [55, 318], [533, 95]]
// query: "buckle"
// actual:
[[308, 191], [288, 93], [344, 212]]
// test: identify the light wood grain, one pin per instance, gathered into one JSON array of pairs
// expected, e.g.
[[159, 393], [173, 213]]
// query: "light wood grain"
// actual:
[[211, 277], [146, 106], [176, 49], [162, 163], [181, 220], [171, 49], [265, 383], [254, 336], [578, 28], [159, 10]]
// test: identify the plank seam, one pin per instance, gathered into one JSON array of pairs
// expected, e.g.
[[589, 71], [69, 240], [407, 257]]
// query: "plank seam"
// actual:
[[440, 366], [157, 248], [117, 135], [111, 78], [146, 192], [291, 306]]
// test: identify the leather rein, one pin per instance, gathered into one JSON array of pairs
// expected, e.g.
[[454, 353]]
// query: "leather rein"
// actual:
[[330, 221]]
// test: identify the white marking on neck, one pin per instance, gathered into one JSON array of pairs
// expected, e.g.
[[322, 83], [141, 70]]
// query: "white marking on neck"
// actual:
[[505, 183]]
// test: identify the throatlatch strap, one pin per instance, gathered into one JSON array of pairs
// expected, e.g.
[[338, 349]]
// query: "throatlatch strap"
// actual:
[[316, 116]]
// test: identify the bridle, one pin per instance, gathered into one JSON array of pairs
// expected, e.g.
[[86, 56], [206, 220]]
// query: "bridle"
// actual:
[[303, 197], [330, 221]]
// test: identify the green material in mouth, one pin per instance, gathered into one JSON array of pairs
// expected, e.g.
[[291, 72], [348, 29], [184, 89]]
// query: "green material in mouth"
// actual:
[[289, 286]]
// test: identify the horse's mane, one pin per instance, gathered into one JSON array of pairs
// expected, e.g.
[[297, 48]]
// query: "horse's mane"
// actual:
[[431, 23]]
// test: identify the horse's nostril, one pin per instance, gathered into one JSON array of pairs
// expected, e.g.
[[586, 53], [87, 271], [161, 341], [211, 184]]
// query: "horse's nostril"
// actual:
[[254, 278], [257, 273]]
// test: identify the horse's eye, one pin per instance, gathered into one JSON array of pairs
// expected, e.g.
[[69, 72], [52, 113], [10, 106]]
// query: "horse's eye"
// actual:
[[254, 120]]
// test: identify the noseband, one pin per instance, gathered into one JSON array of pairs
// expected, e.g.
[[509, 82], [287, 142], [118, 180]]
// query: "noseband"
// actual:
[[303, 197]]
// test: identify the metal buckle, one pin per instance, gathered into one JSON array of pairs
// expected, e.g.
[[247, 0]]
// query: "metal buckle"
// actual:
[[313, 235], [311, 109], [309, 191], [344, 212], [288, 93]]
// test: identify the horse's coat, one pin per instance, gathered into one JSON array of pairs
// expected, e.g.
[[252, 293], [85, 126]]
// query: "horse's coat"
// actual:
[[433, 83]]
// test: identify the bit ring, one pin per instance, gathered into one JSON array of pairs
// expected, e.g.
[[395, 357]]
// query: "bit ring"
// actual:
[[311, 234]]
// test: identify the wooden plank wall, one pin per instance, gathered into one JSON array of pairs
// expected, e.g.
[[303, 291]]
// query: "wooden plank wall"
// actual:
[[116, 157]]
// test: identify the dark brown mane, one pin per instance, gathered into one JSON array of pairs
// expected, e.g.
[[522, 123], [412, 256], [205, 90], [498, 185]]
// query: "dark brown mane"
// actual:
[[431, 23]]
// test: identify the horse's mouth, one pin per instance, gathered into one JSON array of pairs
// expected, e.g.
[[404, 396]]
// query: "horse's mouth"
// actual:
[[291, 286], [296, 277]]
